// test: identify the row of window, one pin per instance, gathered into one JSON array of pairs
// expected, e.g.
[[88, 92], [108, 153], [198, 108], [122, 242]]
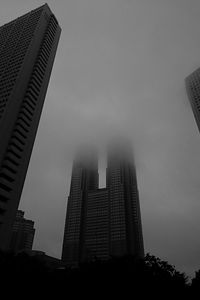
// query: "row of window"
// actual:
[[73, 219], [97, 212], [22, 127], [99, 223], [14, 56], [4, 33], [70, 223], [100, 238], [13, 36], [74, 208], [98, 234], [72, 234], [92, 207], [71, 238], [73, 222]]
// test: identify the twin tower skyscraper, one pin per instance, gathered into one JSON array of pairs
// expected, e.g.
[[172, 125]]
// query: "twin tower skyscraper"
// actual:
[[100, 222], [103, 222]]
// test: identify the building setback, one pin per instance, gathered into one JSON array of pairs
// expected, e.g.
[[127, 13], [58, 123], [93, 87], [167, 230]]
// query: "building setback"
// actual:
[[23, 232], [193, 91], [27, 50], [101, 223]]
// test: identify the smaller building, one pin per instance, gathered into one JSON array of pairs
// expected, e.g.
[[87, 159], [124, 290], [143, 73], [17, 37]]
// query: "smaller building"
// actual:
[[52, 263], [22, 233]]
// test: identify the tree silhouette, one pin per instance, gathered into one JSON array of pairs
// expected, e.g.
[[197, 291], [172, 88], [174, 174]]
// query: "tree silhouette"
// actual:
[[125, 275], [195, 285]]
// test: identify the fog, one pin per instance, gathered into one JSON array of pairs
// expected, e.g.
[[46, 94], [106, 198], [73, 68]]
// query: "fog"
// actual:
[[120, 69]]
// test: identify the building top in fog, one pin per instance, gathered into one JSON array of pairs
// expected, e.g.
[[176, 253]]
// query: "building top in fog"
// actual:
[[101, 223], [120, 148], [86, 156]]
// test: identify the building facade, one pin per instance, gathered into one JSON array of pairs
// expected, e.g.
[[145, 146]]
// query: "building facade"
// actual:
[[193, 91], [125, 218], [96, 228], [84, 179], [27, 49], [103, 223], [23, 232]]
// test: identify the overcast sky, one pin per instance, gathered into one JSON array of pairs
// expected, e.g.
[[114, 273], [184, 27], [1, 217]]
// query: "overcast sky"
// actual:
[[120, 66]]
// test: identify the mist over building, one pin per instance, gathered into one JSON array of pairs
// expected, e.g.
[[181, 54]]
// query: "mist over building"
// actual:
[[121, 64], [27, 49], [103, 222]]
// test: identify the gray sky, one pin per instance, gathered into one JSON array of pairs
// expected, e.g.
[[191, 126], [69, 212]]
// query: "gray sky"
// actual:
[[120, 66]]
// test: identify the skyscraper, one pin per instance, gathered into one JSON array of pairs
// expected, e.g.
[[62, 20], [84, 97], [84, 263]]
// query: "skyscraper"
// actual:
[[125, 217], [23, 232], [84, 179], [193, 91], [105, 222], [27, 50]]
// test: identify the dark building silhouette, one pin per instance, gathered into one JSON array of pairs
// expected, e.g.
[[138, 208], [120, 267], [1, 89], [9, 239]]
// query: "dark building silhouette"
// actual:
[[27, 50], [23, 232], [106, 222], [50, 262], [84, 179], [193, 91], [125, 217]]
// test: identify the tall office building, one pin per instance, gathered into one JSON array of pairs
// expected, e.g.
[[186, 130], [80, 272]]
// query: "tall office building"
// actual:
[[193, 91], [27, 50], [105, 222], [125, 217], [23, 232], [84, 179]]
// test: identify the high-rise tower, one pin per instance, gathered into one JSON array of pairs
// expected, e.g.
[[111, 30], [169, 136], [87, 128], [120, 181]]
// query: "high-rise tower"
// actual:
[[105, 222], [193, 90], [84, 179], [27, 50], [125, 217]]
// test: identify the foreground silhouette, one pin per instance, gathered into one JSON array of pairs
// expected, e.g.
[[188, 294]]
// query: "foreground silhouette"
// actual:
[[116, 275]]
